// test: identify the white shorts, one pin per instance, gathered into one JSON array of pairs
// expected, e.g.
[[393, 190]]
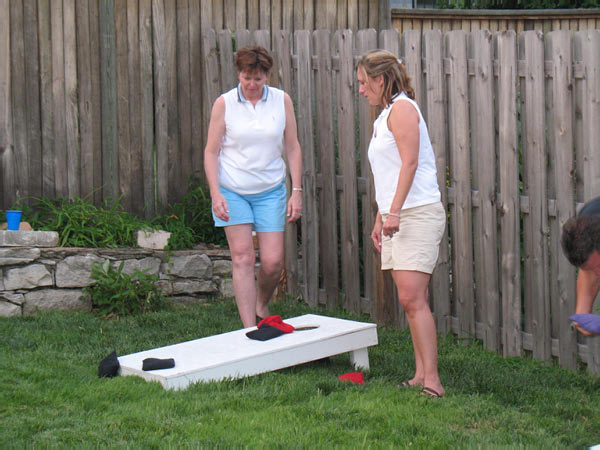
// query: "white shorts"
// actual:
[[416, 245]]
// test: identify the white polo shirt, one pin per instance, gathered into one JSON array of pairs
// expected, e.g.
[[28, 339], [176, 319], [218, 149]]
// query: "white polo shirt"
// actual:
[[251, 159]]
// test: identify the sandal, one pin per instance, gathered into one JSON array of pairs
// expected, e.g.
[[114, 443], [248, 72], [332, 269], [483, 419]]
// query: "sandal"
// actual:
[[429, 392], [406, 384]]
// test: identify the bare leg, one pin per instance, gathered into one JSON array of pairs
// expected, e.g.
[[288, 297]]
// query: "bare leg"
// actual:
[[271, 251], [243, 257], [412, 294]]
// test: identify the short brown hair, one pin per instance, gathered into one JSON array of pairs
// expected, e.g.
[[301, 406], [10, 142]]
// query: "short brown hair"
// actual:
[[395, 78], [580, 238], [253, 59]]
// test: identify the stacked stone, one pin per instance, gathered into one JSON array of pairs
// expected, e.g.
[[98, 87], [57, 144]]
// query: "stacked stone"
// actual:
[[37, 275]]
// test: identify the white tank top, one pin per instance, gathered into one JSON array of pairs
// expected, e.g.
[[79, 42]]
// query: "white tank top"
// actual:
[[251, 160], [386, 164]]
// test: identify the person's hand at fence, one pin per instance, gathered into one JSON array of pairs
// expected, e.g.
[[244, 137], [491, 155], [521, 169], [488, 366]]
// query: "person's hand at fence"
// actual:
[[294, 206], [587, 324], [220, 208], [376, 233]]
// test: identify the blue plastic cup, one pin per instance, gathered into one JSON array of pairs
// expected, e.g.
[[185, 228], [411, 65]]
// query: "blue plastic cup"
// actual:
[[13, 219]]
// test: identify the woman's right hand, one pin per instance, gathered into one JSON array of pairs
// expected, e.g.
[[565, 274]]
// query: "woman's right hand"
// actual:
[[219, 206], [376, 235]]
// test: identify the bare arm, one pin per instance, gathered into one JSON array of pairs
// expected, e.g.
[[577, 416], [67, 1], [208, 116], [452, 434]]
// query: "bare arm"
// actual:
[[216, 130], [403, 121], [588, 285], [294, 157]]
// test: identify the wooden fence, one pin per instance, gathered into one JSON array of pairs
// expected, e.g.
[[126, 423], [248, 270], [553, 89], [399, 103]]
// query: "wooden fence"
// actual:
[[107, 107], [545, 20]]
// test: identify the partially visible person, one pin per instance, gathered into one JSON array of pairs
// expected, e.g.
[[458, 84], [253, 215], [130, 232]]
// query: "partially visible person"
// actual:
[[411, 219], [581, 245], [250, 127]]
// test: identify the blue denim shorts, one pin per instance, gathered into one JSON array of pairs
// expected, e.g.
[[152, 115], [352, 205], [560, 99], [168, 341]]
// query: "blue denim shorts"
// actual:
[[265, 210]]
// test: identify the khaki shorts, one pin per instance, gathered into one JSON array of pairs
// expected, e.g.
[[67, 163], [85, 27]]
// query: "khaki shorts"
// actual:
[[416, 245]]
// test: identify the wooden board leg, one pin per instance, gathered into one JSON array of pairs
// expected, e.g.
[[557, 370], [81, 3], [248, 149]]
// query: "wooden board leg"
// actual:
[[360, 358]]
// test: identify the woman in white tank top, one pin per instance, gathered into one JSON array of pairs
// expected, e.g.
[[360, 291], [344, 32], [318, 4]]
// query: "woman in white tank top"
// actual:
[[410, 221], [250, 127]]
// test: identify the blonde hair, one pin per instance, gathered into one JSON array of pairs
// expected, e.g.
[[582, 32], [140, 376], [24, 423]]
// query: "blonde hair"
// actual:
[[395, 78]]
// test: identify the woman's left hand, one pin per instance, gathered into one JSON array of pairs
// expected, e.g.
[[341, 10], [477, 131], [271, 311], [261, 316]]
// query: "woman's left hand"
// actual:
[[391, 225], [294, 207]]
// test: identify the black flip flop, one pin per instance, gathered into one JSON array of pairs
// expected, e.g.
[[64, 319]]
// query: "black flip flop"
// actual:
[[429, 392]]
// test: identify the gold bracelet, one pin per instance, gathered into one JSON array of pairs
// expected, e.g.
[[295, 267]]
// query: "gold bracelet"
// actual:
[[394, 214]]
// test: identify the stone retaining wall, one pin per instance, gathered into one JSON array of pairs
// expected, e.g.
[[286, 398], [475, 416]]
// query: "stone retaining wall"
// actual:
[[38, 278]]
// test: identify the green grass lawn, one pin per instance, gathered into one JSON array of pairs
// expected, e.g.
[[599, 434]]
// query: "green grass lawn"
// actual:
[[50, 394]]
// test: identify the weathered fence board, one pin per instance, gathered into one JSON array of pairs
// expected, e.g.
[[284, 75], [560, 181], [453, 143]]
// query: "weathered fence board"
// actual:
[[326, 158], [310, 218], [123, 104], [535, 227], [5, 108], [508, 184], [19, 101], [484, 175], [184, 95], [460, 176], [160, 103], [32, 74], [365, 40], [435, 112], [172, 183], [347, 155], [46, 98], [561, 158], [147, 107], [84, 82], [283, 53], [108, 89], [71, 103]]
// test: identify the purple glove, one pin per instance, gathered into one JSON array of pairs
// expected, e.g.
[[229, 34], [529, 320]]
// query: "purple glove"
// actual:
[[587, 322]]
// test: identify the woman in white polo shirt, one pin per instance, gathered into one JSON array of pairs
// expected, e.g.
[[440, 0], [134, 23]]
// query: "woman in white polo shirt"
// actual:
[[411, 219], [250, 127]]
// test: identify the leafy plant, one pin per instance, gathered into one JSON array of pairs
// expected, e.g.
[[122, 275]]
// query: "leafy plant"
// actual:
[[116, 293], [82, 224], [190, 220]]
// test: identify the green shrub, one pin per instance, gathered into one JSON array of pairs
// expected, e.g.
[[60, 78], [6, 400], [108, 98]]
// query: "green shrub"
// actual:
[[116, 293], [81, 224], [190, 220]]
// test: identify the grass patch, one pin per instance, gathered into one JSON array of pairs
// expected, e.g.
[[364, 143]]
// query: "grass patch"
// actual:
[[50, 394]]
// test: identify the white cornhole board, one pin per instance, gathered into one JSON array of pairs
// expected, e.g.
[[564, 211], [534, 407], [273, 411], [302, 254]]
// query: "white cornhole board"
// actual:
[[234, 355]]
